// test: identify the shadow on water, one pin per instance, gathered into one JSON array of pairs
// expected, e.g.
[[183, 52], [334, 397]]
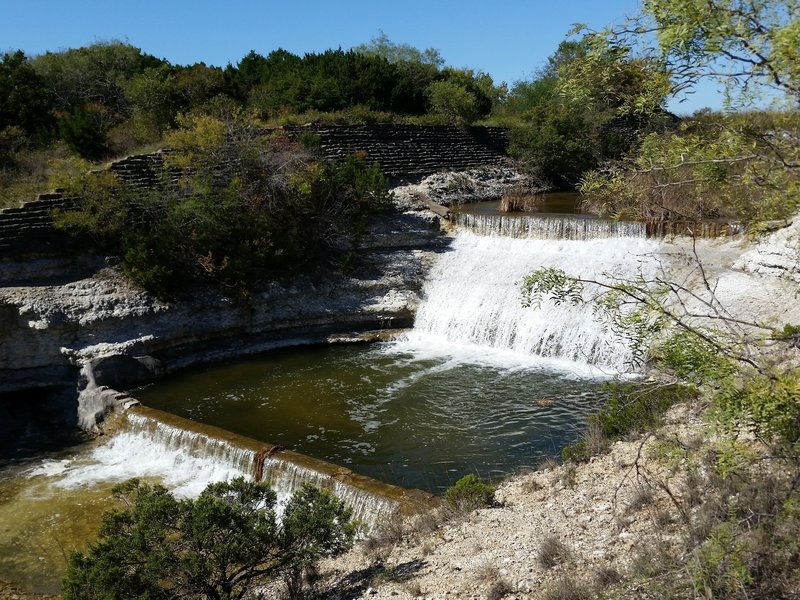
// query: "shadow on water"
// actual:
[[33, 422]]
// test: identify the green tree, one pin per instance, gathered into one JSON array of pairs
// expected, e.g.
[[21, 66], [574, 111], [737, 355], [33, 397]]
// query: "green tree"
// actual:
[[382, 46], [219, 546], [576, 113], [95, 73], [24, 100], [742, 43], [739, 164], [452, 103]]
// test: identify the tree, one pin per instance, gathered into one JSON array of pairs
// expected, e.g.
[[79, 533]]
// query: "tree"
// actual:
[[740, 164], [742, 43], [24, 101], [452, 103], [219, 546], [382, 46], [578, 111], [95, 73]]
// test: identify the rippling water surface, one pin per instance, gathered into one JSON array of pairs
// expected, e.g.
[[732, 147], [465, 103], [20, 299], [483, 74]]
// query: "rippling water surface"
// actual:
[[398, 412]]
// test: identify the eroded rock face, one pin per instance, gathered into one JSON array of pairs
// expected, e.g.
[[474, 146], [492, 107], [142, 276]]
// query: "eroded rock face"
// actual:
[[777, 256], [49, 332]]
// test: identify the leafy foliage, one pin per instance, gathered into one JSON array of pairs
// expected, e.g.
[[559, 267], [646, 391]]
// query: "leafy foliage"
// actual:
[[221, 545], [733, 166], [248, 208], [578, 111], [24, 100], [382, 46], [470, 493], [452, 102], [736, 165], [743, 44]]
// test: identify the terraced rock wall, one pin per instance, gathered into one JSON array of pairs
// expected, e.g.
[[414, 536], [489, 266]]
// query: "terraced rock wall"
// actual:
[[405, 152], [408, 151]]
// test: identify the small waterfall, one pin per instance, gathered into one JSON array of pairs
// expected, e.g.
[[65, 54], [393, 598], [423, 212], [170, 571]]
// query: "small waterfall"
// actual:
[[287, 477], [172, 439], [549, 227], [189, 456], [472, 298]]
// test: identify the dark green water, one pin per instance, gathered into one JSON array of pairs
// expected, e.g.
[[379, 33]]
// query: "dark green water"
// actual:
[[416, 422]]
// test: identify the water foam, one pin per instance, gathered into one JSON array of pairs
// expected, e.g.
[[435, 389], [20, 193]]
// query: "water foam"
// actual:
[[472, 304]]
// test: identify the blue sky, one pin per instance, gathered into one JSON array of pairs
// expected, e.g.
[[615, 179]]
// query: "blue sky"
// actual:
[[509, 39]]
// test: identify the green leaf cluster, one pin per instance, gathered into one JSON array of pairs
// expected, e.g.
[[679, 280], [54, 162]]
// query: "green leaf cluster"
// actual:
[[589, 104], [222, 545], [469, 493]]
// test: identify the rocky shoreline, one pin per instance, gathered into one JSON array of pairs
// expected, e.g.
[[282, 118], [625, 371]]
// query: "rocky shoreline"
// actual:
[[587, 523]]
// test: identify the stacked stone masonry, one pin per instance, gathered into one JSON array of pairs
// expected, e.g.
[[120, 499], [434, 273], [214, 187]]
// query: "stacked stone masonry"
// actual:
[[403, 151], [407, 151]]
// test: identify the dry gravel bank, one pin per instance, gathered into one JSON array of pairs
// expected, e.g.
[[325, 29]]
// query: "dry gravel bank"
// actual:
[[604, 514]]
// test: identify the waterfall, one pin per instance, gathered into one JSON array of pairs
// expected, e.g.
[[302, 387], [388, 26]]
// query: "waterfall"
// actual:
[[550, 227], [472, 297], [369, 508], [186, 456]]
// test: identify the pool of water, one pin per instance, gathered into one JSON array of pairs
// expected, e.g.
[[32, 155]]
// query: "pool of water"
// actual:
[[391, 412], [562, 203]]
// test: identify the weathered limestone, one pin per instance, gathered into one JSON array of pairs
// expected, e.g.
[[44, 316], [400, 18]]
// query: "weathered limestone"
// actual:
[[126, 336]]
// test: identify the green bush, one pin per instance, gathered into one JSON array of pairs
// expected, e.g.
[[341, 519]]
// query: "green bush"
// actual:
[[221, 545], [630, 408], [470, 493], [248, 208], [83, 132], [635, 407]]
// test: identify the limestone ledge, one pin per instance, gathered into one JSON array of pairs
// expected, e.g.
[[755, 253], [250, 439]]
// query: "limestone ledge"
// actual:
[[49, 330]]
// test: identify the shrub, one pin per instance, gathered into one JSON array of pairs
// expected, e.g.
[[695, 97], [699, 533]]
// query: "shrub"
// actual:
[[500, 588], [552, 552], [567, 588], [635, 407], [220, 545], [470, 493]]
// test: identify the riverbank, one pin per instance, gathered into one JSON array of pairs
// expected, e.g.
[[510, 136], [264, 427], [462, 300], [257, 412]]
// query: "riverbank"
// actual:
[[588, 526]]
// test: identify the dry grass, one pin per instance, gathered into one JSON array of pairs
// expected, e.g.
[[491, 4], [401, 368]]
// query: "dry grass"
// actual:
[[552, 552], [520, 200], [567, 588], [500, 588]]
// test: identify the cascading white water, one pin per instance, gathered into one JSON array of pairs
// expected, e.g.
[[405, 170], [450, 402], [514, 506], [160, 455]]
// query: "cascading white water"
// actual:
[[286, 478], [187, 461], [472, 297], [549, 227]]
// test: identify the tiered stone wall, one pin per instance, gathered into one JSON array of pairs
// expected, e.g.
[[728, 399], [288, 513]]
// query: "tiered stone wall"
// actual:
[[28, 230], [403, 151], [141, 170], [407, 151]]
